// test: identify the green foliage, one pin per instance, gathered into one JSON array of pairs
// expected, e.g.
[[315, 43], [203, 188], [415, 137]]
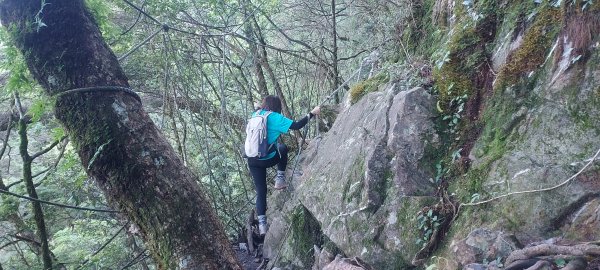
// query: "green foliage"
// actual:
[[428, 222], [39, 108], [453, 116], [423, 29], [8, 206], [19, 78], [102, 13], [367, 86], [58, 133], [455, 71], [75, 243]]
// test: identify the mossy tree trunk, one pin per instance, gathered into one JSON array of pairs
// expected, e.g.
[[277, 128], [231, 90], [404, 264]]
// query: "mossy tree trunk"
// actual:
[[120, 147]]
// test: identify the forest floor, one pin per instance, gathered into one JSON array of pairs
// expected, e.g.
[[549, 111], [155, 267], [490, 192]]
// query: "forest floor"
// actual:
[[248, 261]]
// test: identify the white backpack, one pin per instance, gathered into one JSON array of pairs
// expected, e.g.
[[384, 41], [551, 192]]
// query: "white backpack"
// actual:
[[256, 144]]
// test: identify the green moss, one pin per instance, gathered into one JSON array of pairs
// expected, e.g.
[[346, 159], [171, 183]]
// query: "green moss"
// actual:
[[580, 115], [355, 224], [367, 86], [496, 138], [453, 79], [356, 176], [461, 73], [407, 218], [330, 246], [388, 177], [471, 183], [583, 6], [537, 41], [466, 52], [306, 232]]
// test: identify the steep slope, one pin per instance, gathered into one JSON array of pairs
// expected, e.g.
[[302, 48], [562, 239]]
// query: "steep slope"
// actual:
[[515, 107]]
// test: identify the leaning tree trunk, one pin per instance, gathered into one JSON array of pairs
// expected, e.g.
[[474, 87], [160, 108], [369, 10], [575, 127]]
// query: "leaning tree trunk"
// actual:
[[120, 147]]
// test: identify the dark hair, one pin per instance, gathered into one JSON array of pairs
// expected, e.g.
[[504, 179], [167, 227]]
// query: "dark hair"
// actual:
[[271, 103]]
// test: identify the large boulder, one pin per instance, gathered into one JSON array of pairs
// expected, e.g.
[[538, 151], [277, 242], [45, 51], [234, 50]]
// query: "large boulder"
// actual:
[[362, 183]]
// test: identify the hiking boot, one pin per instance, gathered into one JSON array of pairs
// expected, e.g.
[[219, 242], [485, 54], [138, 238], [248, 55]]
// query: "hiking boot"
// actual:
[[262, 227], [280, 180]]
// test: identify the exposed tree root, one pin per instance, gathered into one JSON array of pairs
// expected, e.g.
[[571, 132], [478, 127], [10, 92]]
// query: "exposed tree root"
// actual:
[[445, 209], [517, 259], [539, 265]]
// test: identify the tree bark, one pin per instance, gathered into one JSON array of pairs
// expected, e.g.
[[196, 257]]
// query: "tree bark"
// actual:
[[120, 147], [336, 76]]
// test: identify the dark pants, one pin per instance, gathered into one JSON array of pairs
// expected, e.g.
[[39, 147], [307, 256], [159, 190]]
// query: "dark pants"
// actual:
[[258, 170]]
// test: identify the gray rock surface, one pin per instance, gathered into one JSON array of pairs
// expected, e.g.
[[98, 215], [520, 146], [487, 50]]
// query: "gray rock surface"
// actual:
[[344, 264], [482, 245], [545, 133], [584, 225], [323, 257], [366, 179], [362, 181]]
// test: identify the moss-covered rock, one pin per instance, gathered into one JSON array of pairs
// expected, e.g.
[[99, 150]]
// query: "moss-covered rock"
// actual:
[[537, 41], [536, 133], [362, 182], [530, 125], [367, 86]]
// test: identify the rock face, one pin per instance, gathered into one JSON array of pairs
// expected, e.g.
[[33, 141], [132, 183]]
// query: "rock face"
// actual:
[[539, 132], [483, 245], [531, 92], [362, 182]]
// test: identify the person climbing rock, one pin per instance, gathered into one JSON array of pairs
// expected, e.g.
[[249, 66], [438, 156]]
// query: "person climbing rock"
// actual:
[[277, 124]]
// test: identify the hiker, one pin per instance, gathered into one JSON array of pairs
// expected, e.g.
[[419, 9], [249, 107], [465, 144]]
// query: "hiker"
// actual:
[[277, 124]]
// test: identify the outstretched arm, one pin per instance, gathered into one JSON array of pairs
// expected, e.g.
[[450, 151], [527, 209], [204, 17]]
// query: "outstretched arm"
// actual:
[[296, 125]]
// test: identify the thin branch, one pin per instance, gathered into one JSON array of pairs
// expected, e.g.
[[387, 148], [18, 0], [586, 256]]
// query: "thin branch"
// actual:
[[352, 56], [19, 106], [5, 142], [57, 204], [26, 239], [4, 146], [44, 151], [9, 244], [13, 184], [132, 50], [136, 260], [304, 44], [53, 167], [142, 11], [103, 246]]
